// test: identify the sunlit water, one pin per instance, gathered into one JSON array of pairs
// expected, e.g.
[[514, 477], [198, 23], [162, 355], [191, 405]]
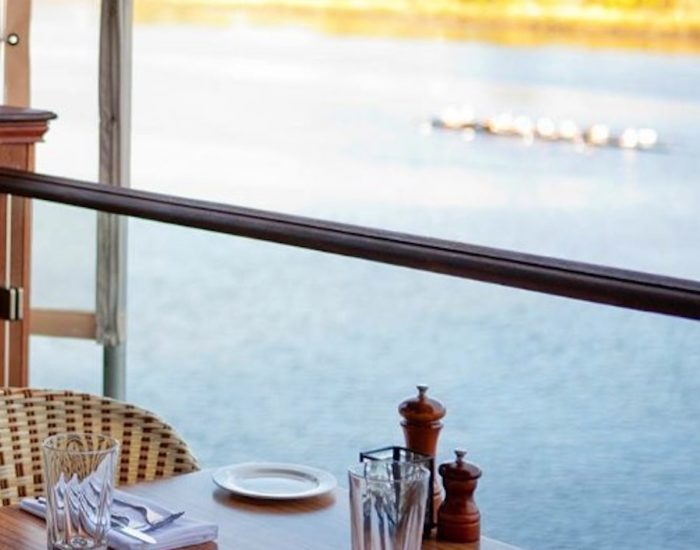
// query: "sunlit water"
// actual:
[[584, 418]]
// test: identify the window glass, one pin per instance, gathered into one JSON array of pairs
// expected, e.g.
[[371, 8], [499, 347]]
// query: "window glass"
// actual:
[[583, 417], [64, 80], [336, 125]]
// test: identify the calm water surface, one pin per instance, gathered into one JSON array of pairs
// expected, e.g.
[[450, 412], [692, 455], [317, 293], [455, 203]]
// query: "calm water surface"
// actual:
[[583, 418]]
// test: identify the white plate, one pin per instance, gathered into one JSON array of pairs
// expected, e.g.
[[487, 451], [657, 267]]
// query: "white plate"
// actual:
[[274, 481]]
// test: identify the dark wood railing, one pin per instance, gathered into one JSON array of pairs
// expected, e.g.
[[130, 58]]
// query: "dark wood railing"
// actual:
[[592, 283]]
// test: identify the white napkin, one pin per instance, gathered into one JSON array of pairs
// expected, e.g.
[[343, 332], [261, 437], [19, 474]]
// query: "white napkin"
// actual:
[[184, 531]]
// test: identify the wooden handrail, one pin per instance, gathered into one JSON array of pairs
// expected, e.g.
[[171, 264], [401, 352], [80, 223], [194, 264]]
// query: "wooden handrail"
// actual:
[[592, 283]]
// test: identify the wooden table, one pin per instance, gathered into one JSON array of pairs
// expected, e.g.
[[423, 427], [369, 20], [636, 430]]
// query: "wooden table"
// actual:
[[244, 524]]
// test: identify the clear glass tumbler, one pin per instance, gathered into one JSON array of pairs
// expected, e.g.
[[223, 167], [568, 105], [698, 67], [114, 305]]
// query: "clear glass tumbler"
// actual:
[[387, 505], [79, 480]]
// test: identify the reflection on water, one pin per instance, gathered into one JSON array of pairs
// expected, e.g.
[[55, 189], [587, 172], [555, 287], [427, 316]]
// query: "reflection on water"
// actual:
[[666, 28], [583, 418]]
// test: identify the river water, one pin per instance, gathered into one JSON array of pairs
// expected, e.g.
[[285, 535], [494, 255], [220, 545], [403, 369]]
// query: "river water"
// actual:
[[584, 418]]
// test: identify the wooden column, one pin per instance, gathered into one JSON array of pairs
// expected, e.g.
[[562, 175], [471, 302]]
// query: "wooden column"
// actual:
[[20, 130], [16, 46]]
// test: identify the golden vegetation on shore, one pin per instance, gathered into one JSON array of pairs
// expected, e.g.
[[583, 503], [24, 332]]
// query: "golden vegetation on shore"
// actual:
[[670, 25]]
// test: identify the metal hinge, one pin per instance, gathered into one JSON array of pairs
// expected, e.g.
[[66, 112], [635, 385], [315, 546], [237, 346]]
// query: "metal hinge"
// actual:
[[11, 304]]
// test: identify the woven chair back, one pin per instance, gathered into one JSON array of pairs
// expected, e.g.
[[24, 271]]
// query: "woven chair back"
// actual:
[[150, 449]]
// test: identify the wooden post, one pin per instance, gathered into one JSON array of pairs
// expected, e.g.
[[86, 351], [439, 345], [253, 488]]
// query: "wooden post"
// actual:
[[20, 129], [16, 66]]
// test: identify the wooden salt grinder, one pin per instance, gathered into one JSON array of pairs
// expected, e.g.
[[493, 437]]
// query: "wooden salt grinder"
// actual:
[[459, 518], [421, 427]]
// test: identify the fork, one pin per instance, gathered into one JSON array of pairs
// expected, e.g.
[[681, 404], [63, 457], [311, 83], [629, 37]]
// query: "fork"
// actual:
[[153, 518], [143, 526]]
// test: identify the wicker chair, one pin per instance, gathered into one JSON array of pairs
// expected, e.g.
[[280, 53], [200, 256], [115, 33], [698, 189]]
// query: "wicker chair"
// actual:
[[150, 449]]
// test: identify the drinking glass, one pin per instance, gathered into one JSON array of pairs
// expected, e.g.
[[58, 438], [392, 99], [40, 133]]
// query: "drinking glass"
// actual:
[[79, 480], [387, 505]]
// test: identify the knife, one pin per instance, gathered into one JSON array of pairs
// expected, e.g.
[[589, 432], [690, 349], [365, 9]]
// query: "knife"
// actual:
[[143, 537]]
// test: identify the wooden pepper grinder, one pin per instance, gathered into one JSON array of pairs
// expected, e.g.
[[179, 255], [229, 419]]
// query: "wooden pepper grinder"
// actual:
[[458, 517], [421, 427]]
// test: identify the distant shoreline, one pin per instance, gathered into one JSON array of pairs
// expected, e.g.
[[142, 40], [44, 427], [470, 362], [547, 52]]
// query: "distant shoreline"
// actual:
[[663, 31]]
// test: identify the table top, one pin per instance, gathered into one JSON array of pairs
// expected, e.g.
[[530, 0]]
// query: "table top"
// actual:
[[321, 523]]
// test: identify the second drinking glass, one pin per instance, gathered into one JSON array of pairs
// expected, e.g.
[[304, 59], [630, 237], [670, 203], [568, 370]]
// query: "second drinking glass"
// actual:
[[387, 505]]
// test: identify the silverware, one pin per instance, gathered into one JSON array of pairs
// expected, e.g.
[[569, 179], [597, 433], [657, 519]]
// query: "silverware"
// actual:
[[152, 517], [130, 526], [154, 520], [143, 526], [167, 521], [135, 533]]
